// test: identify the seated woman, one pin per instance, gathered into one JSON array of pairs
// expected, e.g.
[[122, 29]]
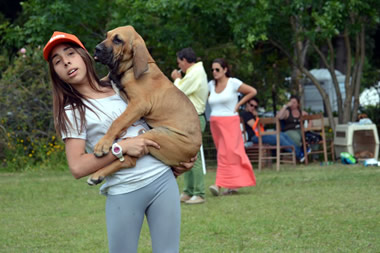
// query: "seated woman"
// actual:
[[250, 118], [290, 115]]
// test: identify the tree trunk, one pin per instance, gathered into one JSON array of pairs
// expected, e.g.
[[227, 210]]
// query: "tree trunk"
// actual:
[[295, 82], [331, 68], [341, 56], [350, 76], [359, 73], [274, 99], [325, 51]]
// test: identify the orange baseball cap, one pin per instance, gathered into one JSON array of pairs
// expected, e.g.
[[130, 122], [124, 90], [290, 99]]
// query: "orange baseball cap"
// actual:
[[57, 38]]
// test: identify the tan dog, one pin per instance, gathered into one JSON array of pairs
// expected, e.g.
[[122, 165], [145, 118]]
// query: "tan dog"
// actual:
[[364, 154], [362, 116], [150, 94]]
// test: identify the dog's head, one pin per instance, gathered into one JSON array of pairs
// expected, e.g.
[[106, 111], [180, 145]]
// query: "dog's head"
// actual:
[[362, 116], [123, 49]]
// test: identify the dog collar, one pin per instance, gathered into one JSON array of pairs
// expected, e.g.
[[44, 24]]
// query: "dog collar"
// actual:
[[117, 151]]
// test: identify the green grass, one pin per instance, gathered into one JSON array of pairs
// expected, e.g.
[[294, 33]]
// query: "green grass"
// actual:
[[304, 209]]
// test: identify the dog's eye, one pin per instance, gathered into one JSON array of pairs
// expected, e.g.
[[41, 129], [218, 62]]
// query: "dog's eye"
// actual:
[[116, 40]]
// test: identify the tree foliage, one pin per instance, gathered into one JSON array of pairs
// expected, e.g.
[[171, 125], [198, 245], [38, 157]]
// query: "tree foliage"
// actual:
[[264, 41], [302, 27]]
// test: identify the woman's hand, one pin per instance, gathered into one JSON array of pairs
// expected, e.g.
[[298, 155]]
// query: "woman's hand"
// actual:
[[237, 106], [185, 166], [248, 91], [136, 146]]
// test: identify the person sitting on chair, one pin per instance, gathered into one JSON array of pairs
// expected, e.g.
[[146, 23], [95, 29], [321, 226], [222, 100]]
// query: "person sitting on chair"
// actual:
[[250, 117], [290, 114]]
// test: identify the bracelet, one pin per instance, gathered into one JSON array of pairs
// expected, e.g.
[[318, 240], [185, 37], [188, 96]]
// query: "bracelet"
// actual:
[[117, 151]]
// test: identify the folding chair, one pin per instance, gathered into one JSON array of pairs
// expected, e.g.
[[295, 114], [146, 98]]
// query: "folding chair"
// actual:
[[262, 153], [315, 124], [252, 149], [280, 156]]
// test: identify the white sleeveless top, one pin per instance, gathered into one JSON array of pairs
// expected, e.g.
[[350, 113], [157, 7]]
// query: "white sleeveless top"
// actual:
[[223, 103]]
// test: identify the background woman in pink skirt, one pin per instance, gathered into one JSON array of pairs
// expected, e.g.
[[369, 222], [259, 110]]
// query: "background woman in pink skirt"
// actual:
[[234, 170]]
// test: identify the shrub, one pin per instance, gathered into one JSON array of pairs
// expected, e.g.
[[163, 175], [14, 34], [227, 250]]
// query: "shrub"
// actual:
[[41, 153], [27, 128]]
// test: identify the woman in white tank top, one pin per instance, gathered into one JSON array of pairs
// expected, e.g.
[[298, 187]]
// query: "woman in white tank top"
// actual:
[[234, 170]]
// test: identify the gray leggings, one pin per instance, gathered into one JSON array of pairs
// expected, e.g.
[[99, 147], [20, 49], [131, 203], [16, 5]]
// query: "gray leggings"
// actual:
[[159, 201]]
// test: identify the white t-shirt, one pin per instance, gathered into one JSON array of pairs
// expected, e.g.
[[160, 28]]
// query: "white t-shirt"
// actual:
[[107, 109], [223, 103]]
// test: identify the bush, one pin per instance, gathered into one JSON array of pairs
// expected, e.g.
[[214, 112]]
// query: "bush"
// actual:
[[25, 154], [26, 121]]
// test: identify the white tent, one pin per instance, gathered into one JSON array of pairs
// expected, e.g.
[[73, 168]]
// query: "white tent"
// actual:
[[312, 97]]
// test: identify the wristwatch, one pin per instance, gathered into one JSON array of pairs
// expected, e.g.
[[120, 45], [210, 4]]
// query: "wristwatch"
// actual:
[[117, 151]]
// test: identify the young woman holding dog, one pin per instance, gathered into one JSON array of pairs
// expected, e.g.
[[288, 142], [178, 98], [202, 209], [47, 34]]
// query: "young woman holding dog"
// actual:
[[84, 108], [234, 170]]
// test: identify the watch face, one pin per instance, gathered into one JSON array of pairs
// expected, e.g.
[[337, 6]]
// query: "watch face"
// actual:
[[116, 149]]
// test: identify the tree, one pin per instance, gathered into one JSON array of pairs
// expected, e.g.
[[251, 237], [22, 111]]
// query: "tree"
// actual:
[[238, 30], [302, 27], [40, 18]]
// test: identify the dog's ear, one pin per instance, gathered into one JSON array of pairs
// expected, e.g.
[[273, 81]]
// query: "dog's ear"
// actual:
[[140, 59]]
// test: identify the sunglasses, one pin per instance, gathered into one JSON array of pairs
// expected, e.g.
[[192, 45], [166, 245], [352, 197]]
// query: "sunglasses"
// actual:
[[216, 69], [254, 106]]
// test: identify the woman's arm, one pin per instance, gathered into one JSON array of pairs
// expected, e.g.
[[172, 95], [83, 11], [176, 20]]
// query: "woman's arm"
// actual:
[[250, 122], [82, 164], [284, 112], [248, 91]]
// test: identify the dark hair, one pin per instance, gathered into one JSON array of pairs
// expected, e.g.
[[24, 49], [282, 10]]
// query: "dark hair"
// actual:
[[296, 98], [224, 65], [254, 99], [66, 95], [188, 54]]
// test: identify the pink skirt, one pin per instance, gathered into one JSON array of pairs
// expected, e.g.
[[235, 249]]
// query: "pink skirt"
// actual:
[[234, 170]]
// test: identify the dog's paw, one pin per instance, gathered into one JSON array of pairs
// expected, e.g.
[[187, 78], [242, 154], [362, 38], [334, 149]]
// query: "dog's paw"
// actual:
[[99, 151], [94, 181], [99, 154], [102, 148]]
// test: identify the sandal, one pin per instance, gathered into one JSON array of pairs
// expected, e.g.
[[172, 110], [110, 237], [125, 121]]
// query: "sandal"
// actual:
[[230, 192]]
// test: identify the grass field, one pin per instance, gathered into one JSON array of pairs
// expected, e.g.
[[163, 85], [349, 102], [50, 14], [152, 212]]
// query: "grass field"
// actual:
[[311, 208]]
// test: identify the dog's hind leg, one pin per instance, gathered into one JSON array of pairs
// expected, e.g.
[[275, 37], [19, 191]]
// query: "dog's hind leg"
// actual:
[[99, 175]]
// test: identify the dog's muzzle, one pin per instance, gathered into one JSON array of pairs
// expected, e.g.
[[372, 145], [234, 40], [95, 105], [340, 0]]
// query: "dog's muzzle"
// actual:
[[103, 55]]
